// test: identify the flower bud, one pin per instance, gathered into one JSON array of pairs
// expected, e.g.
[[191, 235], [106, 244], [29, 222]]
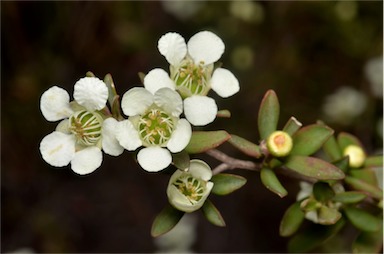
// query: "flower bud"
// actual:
[[279, 143], [356, 155]]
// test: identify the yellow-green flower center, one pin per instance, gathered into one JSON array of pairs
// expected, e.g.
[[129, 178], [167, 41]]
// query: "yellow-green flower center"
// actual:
[[155, 127], [86, 126], [190, 187], [192, 79]]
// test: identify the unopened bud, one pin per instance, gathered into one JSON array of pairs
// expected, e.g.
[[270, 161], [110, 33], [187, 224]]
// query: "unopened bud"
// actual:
[[356, 155], [279, 143]]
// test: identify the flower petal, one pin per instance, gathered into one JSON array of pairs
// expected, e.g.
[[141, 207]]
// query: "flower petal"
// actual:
[[157, 79], [180, 136], [127, 135], [63, 126], [58, 149], [200, 110], [224, 83], [136, 101], [179, 201], [87, 160], [91, 92], [54, 104], [173, 47], [205, 47], [154, 158], [170, 101], [110, 144], [200, 169]]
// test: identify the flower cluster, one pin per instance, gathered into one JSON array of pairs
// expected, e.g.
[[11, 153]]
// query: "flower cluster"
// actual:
[[155, 123]]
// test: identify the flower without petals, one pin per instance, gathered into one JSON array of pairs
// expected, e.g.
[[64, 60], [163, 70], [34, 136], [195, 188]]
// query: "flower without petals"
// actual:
[[192, 73], [188, 190], [155, 124], [83, 132]]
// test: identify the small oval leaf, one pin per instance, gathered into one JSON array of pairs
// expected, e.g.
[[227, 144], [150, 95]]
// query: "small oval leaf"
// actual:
[[271, 182], [268, 116], [345, 139], [202, 141], [292, 126], [310, 139], [349, 197], [166, 220], [314, 167], [225, 113], [212, 214], [332, 149], [292, 219], [362, 219], [245, 146], [323, 192], [225, 184], [374, 161], [367, 175], [367, 188]]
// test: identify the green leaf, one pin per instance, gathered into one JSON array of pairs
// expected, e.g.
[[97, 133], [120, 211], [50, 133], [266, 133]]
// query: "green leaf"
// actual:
[[292, 219], [328, 215], [245, 146], [310, 139], [292, 126], [323, 192], [268, 114], [202, 141], [367, 188], [332, 149], [367, 175], [314, 167], [345, 139], [368, 242], [271, 182], [166, 220], [314, 236], [362, 220], [212, 214], [342, 164], [181, 160], [374, 161], [224, 113], [349, 197], [225, 184]]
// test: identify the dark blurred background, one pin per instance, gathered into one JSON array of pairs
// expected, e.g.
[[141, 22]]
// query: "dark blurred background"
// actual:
[[305, 51]]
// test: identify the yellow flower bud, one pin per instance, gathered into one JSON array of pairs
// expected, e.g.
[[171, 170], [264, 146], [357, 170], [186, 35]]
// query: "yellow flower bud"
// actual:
[[279, 143], [356, 155]]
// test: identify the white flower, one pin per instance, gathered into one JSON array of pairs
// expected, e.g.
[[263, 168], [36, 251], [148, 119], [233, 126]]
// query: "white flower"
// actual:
[[188, 190], [373, 70], [154, 123], [192, 73], [83, 132], [344, 105]]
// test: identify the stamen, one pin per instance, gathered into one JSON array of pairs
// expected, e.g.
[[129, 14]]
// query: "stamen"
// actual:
[[86, 126], [190, 187]]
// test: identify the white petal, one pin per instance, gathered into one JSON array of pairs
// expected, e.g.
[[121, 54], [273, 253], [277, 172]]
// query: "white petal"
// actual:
[[54, 104], [170, 101], [136, 101], [180, 136], [110, 144], [58, 149], [179, 201], [127, 135], [63, 126], [224, 83], [205, 47], [173, 47], [87, 160], [200, 169], [157, 79], [154, 158], [200, 110], [91, 92]]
